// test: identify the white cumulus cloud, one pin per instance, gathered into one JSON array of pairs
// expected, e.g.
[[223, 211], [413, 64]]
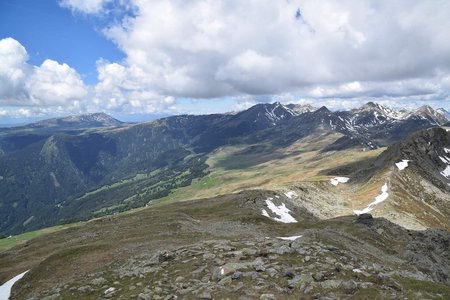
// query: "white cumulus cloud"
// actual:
[[13, 69], [53, 83], [85, 6], [326, 52], [47, 85], [208, 49]]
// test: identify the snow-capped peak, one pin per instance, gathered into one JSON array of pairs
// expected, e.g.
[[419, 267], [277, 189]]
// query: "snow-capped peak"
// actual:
[[444, 112], [301, 108], [384, 111], [428, 112], [277, 111]]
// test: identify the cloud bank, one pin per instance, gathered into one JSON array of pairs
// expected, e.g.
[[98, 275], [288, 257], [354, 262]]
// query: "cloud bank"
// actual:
[[28, 87], [85, 6], [298, 50]]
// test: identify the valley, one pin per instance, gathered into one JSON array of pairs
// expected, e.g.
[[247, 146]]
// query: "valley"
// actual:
[[82, 168]]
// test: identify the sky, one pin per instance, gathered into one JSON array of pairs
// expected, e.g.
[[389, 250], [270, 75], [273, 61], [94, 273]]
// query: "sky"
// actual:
[[135, 59]]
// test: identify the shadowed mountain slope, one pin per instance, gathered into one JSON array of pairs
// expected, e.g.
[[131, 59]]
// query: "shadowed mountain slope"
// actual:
[[80, 167]]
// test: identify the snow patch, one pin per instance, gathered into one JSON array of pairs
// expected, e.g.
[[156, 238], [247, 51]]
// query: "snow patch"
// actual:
[[446, 172], [445, 159], [5, 289], [378, 199], [336, 180], [265, 214], [281, 211], [289, 238], [291, 194], [402, 165]]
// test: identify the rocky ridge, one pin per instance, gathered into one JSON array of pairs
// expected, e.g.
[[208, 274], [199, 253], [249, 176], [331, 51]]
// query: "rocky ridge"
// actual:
[[255, 257], [272, 268]]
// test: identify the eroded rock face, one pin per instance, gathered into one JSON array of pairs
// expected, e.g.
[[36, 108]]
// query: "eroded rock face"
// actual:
[[426, 150], [430, 253]]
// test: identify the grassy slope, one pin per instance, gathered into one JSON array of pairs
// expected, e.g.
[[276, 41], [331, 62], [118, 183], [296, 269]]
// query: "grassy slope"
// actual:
[[89, 247], [232, 171], [121, 234], [12, 241], [108, 244]]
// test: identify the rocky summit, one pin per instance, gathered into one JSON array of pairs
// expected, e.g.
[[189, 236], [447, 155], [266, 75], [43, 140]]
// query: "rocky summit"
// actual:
[[225, 248]]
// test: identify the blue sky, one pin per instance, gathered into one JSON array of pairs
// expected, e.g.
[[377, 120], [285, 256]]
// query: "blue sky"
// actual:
[[136, 59], [48, 31]]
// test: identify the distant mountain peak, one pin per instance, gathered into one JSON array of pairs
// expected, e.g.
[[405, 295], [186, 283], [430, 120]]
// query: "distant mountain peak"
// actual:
[[323, 109], [301, 108], [426, 111], [277, 111], [370, 104], [381, 110], [99, 117], [260, 116], [375, 106], [444, 112], [93, 120]]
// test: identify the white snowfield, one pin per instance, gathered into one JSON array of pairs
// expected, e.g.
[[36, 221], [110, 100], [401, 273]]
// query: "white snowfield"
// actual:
[[289, 238], [281, 211], [5, 289], [291, 194], [446, 160], [378, 199], [446, 172], [402, 165], [336, 180]]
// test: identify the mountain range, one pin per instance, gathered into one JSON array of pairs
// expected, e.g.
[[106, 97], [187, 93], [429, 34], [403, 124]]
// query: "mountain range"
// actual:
[[273, 202], [75, 168]]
